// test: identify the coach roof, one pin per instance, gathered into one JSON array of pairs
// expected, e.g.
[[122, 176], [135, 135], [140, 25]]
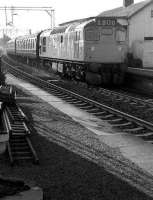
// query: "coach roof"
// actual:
[[126, 12]]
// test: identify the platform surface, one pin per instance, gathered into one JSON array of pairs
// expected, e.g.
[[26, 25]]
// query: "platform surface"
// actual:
[[131, 147]]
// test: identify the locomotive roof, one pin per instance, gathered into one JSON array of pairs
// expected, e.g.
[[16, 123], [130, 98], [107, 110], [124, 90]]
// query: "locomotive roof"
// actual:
[[59, 29], [68, 27], [126, 12], [46, 32], [75, 21], [82, 25]]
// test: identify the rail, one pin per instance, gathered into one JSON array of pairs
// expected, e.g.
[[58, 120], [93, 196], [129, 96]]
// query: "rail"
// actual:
[[118, 119]]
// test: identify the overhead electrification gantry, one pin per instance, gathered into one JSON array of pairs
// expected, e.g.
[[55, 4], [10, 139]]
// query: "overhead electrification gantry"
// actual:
[[50, 11]]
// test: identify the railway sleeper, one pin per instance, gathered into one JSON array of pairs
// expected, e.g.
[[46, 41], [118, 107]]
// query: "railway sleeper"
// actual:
[[106, 116], [15, 114], [20, 148], [85, 107], [116, 120], [122, 124], [148, 138], [99, 113], [145, 134], [134, 129]]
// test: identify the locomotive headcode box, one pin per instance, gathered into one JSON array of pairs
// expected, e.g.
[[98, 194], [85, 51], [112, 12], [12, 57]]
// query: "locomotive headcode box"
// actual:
[[105, 21]]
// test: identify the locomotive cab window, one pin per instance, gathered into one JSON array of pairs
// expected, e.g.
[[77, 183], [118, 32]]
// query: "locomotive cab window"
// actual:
[[44, 44], [120, 35], [44, 40], [92, 35]]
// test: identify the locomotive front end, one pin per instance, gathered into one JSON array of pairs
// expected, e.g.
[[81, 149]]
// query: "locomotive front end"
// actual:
[[106, 49]]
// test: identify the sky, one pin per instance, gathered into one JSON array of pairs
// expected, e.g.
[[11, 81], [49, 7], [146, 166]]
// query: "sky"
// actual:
[[65, 10]]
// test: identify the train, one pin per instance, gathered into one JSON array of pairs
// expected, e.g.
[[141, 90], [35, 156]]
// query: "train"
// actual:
[[2, 74], [93, 50]]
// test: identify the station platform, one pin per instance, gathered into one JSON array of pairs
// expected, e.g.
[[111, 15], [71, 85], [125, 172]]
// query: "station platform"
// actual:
[[124, 155], [140, 80], [142, 72]]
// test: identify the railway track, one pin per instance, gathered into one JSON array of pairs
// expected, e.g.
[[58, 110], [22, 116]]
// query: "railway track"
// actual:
[[124, 122], [19, 145], [120, 121], [145, 103]]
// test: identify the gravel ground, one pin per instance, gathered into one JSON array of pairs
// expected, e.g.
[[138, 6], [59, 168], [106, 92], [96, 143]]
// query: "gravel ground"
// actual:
[[63, 174]]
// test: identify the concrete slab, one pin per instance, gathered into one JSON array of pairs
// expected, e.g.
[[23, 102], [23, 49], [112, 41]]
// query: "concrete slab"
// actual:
[[145, 164], [35, 193], [121, 140], [141, 150]]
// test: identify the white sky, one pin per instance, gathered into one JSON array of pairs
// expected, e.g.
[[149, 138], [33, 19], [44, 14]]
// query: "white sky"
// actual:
[[65, 10]]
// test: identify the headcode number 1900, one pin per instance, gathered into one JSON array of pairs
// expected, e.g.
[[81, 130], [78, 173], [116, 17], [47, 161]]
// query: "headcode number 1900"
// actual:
[[106, 22]]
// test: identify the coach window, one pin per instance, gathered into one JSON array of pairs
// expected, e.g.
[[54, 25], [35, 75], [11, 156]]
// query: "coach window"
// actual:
[[22, 46], [34, 43], [120, 35], [26, 44], [79, 35], [76, 36], [30, 44]]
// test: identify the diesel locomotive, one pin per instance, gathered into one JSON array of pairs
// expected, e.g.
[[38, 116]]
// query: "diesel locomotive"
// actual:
[[92, 50]]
